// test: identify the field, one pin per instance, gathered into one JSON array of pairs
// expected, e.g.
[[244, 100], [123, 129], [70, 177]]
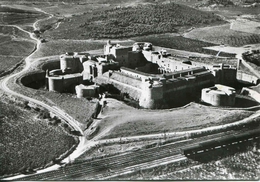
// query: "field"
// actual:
[[235, 11], [144, 20], [5, 65], [14, 16], [28, 142], [14, 46], [223, 35], [119, 120], [181, 43]]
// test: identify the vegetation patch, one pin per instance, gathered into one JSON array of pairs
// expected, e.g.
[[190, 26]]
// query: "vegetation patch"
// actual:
[[13, 32], [180, 43], [253, 58], [28, 142], [132, 21], [7, 62], [14, 47], [13, 16], [223, 35]]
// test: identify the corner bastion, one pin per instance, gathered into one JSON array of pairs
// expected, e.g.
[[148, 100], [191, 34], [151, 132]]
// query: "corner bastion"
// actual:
[[172, 82], [219, 95]]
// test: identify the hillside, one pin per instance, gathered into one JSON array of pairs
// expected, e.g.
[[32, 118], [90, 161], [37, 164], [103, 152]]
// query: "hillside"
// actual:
[[27, 140], [131, 21]]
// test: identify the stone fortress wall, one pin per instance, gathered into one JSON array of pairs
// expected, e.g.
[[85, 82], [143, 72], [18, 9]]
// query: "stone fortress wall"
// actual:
[[219, 95], [172, 79]]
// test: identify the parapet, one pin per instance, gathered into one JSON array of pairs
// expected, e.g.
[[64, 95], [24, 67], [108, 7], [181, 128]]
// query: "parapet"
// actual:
[[86, 91], [223, 67], [219, 95]]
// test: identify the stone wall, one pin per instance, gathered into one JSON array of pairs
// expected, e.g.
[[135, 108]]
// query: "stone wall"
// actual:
[[247, 78], [219, 95]]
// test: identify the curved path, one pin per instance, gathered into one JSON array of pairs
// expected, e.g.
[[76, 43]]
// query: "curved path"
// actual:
[[83, 143]]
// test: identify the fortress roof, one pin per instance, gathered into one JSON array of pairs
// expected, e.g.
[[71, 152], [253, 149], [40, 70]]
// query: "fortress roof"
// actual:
[[67, 76], [194, 70], [139, 72], [221, 90]]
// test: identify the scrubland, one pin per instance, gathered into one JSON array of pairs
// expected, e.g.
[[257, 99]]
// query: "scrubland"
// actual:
[[222, 34], [14, 46], [28, 142], [121, 22]]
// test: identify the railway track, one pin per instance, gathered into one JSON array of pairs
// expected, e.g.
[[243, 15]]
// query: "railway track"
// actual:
[[104, 168]]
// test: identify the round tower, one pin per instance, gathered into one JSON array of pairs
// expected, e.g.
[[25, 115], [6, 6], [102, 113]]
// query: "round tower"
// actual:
[[69, 61], [152, 94]]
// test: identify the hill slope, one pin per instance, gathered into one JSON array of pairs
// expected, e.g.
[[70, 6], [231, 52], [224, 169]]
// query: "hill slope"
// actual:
[[132, 21]]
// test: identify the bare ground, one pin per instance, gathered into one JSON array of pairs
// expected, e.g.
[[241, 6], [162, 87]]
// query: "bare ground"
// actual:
[[120, 120]]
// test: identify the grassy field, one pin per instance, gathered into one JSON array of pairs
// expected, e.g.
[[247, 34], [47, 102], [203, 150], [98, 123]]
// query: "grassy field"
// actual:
[[28, 142], [16, 48], [14, 16], [13, 32], [223, 35], [123, 120], [15, 45], [7, 62]]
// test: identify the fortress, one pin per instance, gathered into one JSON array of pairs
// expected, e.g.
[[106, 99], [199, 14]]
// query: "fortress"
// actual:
[[152, 77]]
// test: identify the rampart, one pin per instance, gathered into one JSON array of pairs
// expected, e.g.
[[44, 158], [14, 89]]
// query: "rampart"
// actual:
[[219, 95], [247, 78], [156, 91], [62, 83], [171, 81], [224, 74]]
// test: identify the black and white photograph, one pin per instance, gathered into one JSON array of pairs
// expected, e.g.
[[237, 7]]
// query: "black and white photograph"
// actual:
[[125, 90]]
